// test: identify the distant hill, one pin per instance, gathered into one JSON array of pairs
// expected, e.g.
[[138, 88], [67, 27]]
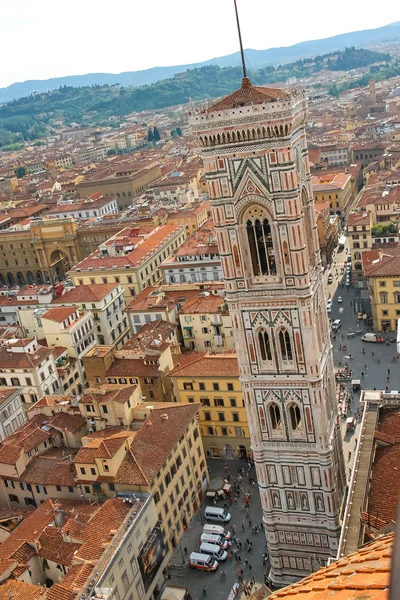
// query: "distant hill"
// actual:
[[257, 59]]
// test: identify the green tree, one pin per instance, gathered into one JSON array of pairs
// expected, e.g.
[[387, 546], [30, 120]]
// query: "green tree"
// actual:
[[179, 131], [173, 133], [156, 135], [20, 171], [112, 151], [333, 91], [150, 135]]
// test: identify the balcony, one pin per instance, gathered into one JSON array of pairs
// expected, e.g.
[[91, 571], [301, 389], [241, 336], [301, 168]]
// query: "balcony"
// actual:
[[188, 333]]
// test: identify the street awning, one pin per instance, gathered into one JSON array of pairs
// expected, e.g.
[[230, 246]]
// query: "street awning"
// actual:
[[342, 240]]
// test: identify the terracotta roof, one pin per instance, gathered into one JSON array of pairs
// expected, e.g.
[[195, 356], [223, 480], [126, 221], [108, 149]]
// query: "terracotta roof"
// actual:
[[19, 590], [59, 314], [363, 575], [53, 468], [66, 422], [86, 293], [22, 360], [382, 498], [97, 536], [132, 367], [250, 94], [204, 304], [107, 393], [205, 365], [162, 429], [382, 263]]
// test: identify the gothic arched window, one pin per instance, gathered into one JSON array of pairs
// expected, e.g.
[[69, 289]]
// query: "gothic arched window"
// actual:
[[261, 248], [265, 345], [295, 417], [285, 345], [275, 416]]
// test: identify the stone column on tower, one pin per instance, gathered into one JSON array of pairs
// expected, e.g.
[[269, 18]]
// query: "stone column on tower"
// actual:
[[254, 148]]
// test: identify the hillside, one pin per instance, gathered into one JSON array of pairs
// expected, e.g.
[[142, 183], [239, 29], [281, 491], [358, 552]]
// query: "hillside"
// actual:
[[257, 58], [32, 117]]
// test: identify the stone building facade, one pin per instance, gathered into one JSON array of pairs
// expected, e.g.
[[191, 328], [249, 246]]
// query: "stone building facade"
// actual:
[[255, 155]]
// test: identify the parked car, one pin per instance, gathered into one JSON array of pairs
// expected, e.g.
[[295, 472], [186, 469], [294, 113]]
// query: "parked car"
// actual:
[[336, 324], [349, 258], [330, 278], [359, 315], [329, 308], [339, 300], [372, 337]]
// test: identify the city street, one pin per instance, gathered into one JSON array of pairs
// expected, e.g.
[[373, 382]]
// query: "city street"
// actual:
[[375, 367], [218, 587]]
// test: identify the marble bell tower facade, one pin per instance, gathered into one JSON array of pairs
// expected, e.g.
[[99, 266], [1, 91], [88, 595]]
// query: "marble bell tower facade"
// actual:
[[254, 148]]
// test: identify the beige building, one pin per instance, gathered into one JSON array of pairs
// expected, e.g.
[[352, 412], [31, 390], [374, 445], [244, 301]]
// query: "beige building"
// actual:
[[174, 472], [30, 367], [106, 303], [144, 360], [206, 324], [67, 549], [131, 258], [110, 405]]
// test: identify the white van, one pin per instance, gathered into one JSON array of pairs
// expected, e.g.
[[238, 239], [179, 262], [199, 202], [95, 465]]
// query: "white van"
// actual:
[[211, 538], [217, 530], [205, 562], [214, 551], [213, 513]]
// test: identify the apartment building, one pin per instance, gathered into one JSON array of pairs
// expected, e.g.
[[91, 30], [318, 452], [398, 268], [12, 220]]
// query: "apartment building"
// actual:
[[36, 461], [213, 381], [192, 219], [164, 458], [359, 227], [12, 413], [69, 549], [152, 304], [131, 258], [206, 324], [197, 260], [334, 188], [382, 270], [144, 360], [87, 209], [106, 302], [110, 405], [335, 154], [26, 365]]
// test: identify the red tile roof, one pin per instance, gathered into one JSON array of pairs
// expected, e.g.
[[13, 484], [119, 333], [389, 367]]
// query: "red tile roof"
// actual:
[[86, 293], [363, 575], [250, 94], [59, 314], [196, 364], [382, 263], [19, 590]]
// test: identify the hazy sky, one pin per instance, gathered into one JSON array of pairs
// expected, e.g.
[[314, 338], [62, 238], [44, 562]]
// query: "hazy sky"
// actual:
[[50, 38]]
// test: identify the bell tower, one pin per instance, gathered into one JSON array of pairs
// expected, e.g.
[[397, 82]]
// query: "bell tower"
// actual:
[[253, 143]]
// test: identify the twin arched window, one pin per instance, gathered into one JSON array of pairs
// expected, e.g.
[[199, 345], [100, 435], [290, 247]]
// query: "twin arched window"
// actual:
[[294, 417], [261, 248], [265, 345], [285, 345]]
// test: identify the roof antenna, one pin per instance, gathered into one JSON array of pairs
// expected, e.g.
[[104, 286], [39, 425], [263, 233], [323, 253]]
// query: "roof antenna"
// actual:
[[245, 80]]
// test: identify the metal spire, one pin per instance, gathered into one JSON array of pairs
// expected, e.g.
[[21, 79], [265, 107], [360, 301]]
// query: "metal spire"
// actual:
[[241, 46]]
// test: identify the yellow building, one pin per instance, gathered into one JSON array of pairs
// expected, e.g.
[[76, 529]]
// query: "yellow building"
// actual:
[[335, 188], [213, 380], [132, 258], [192, 220], [382, 270]]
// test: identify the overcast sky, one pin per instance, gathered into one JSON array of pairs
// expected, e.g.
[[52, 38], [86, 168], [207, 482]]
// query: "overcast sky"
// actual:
[[50, 38]]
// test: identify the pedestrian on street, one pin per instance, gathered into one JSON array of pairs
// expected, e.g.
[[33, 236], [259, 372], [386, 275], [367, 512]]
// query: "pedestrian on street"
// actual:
[[185, 550], [250, 568], [373, 354], [388, 371], [362, 373], [246, 562], [249, 522], [349, 457], [243, 525], [204, 591]]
